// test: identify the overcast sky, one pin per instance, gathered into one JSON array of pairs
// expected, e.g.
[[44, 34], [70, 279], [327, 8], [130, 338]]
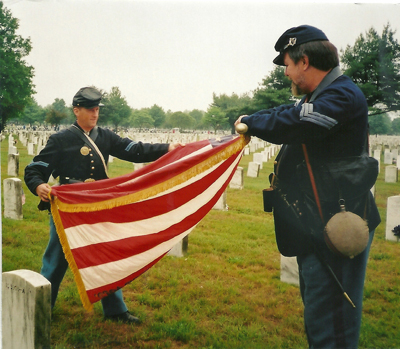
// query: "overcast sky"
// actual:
[[175, 54]]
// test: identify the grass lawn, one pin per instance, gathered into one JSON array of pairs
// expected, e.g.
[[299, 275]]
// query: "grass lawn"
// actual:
[[225, 293]]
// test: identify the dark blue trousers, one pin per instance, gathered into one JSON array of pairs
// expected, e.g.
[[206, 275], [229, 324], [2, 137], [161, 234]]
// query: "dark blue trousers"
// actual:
[[55, 266], [330, 321]]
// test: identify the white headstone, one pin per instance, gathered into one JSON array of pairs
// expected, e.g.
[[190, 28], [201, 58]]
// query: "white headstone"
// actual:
[[265, 152], [181, 248], [392, 216], [237, 179], [388, 157], [391, 174], [395, 154], [26, 310], [259, 158], [13, 198], [253, 170], [377, 154], [12, 150], [289, 270], [13, 165], [221, 203], [31, 149], [398, 162]]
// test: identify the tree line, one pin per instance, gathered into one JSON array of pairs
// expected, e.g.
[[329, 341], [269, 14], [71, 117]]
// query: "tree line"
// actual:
[[373, 63]]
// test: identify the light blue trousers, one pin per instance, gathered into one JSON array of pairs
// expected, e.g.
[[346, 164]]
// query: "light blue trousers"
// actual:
[[330, 321], [54, 267]]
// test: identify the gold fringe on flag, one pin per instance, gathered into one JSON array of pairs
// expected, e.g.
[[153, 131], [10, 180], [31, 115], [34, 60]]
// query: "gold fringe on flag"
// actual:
[[69, 257]]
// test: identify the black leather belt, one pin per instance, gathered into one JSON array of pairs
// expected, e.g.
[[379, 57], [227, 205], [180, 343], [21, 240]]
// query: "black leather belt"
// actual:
[[68, 180]]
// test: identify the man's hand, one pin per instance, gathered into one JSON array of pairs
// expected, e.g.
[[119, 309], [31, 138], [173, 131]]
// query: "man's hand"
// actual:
[[43, 190], [239, 119], [173, 146]]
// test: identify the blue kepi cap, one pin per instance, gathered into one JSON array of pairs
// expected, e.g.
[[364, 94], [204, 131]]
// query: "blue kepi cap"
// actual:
[[296, 36], [87, 97]]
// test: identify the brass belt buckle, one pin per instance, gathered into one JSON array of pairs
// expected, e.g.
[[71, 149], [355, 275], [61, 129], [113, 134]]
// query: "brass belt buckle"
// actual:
[[89, 180]]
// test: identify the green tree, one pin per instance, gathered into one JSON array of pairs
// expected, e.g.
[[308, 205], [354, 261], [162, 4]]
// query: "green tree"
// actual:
[[16, 87], [57, 113], [373, 63], [33, 113], [215, 118], [396, 126], [274, 90], [197, 115], [55, 117], [158, 115], [379, 124], [142, 119], [116, 110], [230, 106], [182, 120]]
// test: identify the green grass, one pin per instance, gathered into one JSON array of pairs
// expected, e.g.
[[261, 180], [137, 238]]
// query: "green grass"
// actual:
[[225, 293]]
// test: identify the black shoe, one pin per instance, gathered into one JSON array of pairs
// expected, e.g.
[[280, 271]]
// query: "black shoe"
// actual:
[[126, 318]]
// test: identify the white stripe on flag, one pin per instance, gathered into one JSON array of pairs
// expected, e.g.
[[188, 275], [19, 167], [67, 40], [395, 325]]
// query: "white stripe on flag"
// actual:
[[87, 234], [104, 274]]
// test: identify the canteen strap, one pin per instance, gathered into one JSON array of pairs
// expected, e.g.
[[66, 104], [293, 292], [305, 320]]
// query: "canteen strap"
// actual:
[[313, 185]]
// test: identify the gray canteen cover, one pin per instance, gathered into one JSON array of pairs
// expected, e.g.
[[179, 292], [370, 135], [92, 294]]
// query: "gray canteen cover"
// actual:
[[347, 234]]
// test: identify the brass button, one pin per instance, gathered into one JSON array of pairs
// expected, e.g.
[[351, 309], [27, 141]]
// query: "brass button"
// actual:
[[275, 162], [92, 168]]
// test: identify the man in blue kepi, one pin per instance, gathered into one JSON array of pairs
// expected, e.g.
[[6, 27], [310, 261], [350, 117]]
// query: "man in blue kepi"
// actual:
[[330, 122], [70, 157]]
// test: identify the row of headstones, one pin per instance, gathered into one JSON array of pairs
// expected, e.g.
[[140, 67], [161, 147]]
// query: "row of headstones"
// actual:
[[390, 157]]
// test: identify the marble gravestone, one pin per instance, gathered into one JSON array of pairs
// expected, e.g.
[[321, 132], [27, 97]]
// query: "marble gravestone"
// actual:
[[392, 217], [26, 310], [12, 188], [237, 179]]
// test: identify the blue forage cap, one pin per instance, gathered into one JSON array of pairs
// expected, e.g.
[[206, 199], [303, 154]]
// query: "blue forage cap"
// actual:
[[87, 97], [296, 36]]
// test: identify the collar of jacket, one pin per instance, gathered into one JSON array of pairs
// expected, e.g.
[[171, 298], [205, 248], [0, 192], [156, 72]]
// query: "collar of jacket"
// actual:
[[326, 81]]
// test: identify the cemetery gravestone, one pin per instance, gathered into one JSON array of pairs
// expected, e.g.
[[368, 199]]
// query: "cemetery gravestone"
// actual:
[[388, 157], [181, 248], [26, 310], [31, 149], [237, 179], [221, 203], [13, 165], [253, 170], [13, 198], [258, 158], [392, 217], [391, 174]]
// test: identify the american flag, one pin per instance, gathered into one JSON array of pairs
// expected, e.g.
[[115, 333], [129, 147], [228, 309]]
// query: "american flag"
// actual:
[[114, 230]]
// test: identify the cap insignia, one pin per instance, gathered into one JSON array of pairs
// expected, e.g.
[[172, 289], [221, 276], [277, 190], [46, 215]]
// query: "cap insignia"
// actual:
[[292, 42]]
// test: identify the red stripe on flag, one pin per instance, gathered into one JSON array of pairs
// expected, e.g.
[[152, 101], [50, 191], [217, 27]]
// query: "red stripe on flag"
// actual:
[[107, 252]]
